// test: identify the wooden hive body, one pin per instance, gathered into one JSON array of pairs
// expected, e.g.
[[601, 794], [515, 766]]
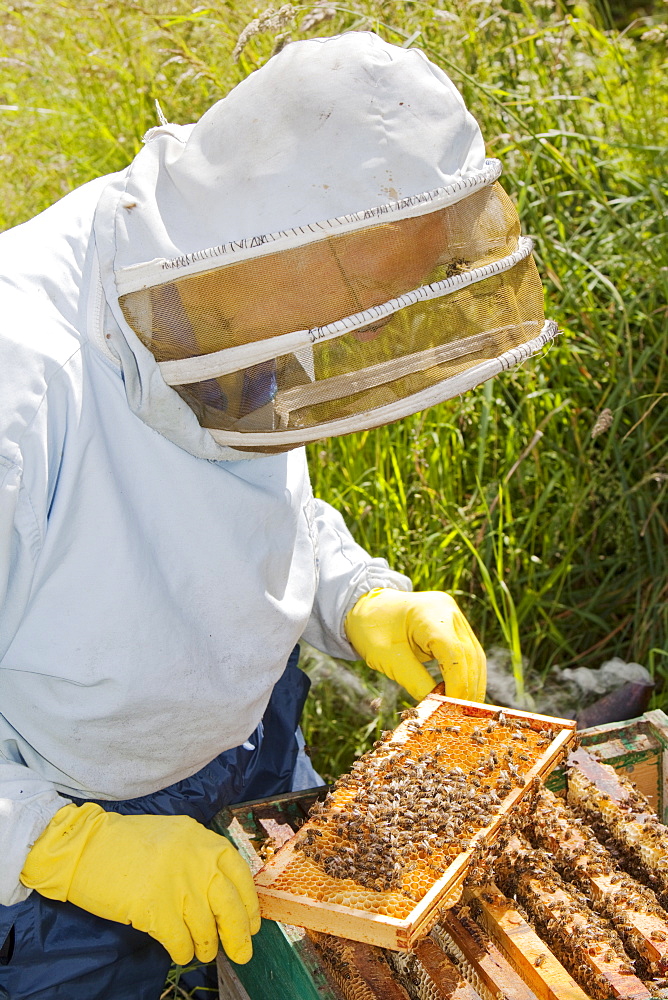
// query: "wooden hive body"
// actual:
[[497, 955]]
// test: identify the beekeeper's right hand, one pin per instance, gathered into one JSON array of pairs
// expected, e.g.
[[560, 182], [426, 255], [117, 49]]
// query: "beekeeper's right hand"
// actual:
[[166, 875]]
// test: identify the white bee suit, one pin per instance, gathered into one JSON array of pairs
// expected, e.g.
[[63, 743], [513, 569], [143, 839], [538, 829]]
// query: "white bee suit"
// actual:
[[154, 578]]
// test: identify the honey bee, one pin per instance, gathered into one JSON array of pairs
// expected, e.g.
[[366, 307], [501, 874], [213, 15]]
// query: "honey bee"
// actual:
[[539, 959]]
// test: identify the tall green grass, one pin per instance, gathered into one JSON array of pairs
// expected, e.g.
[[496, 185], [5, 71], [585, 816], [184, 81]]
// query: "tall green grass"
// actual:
[[554, 540]]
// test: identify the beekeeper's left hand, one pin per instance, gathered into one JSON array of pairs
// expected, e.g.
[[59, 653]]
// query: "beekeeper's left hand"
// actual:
[[396, 633]]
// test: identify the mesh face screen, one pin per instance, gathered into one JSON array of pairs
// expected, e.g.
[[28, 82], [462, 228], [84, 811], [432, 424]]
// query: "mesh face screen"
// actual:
[[338, 276], [418, 347]]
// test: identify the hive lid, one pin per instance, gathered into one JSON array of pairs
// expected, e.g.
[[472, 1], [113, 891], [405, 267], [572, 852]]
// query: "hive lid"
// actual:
[[475, 762]]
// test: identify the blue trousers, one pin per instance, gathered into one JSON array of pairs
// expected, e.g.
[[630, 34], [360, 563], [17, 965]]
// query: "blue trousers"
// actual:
[[57, 951]]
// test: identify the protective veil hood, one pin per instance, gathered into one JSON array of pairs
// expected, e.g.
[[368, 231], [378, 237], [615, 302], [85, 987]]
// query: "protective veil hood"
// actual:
[[325, 250]]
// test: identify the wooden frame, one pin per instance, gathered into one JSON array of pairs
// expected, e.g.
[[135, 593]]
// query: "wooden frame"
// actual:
[[391, 932]]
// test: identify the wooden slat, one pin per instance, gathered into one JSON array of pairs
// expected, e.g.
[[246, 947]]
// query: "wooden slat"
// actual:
[[229, 984], [528, 954], [584, 941], [479, 953], [621, 984], [343, 921], [443, 972], [610, 804], [428, 974], [477, 709], [359, 971]]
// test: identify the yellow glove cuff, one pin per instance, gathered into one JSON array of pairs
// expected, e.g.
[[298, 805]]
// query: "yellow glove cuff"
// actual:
[[50, 866]]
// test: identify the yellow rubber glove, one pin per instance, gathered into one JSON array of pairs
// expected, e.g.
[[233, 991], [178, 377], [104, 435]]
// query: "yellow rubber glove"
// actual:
[[396, 633], [166, 875]]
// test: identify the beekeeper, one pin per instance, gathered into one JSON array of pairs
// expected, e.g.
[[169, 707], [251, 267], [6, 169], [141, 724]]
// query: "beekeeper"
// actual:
[[326, 250]]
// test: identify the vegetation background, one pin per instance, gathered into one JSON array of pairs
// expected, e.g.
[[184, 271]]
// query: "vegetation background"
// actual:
[[539, 499]]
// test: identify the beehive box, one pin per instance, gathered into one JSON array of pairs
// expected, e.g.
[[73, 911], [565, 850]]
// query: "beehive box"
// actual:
[[637, 748], [307, 966], [399, 833]]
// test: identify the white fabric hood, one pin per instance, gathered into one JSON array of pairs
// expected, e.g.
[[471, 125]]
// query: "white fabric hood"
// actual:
[[333, 133], [326, 128]]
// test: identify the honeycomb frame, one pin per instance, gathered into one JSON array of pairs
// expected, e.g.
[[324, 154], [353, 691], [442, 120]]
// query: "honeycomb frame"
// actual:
[[365, 915]]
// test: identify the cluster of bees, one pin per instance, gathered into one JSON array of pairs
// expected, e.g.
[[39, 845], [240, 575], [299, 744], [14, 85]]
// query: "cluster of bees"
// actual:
[[411, 805], [630, 824], [578, 856], [405, 806], [548, 861], [562, 916]]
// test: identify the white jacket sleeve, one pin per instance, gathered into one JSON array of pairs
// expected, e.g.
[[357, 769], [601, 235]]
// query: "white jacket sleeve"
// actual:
[[27, 801], [346, 572]]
